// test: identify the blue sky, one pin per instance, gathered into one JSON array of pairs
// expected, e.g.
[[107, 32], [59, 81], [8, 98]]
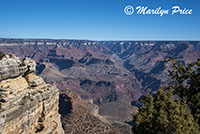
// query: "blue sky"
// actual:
[[96, 20]]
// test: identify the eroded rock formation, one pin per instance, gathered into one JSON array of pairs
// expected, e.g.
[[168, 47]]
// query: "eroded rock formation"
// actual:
[[11, 66], [82, 117], [28, 104]]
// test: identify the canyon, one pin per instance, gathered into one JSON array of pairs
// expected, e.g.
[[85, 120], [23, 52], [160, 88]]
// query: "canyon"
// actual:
[[104, 75], [28, 105]]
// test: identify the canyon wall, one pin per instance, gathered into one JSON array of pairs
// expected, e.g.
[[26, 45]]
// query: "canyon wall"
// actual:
[[27, 104], [82, 117]]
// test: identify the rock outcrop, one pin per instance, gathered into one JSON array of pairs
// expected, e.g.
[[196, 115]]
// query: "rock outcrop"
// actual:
[[28, 104], [11, 66], [82, 117]]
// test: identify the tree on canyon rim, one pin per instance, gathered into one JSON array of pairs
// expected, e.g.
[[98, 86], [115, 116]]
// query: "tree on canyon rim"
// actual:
[[162, 113]]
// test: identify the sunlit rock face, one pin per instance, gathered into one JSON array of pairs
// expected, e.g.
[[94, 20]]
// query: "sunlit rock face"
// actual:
[[11, 66], [28, 104]]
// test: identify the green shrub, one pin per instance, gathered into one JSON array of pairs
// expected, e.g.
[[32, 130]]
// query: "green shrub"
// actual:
[[186, 84], [162, 114]]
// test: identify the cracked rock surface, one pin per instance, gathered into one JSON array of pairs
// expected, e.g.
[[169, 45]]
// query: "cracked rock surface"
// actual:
[[28, 104]]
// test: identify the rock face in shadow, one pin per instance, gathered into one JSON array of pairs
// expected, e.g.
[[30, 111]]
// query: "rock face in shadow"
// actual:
[[83, 117], [146, 59], [28, 104], [119, 111]]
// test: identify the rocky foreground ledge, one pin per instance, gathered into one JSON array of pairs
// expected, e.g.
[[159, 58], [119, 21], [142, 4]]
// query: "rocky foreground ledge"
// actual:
[[27, 104]]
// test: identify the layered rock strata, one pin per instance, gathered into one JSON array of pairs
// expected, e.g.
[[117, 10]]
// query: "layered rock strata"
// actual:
[[28, 104]]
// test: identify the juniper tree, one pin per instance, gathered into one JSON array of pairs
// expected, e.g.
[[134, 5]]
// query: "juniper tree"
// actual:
[[164, 115], [186, 84]]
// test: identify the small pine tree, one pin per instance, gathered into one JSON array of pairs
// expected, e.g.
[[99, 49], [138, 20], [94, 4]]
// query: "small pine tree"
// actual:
[[144, 118], [186, 84], [163, 115]]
